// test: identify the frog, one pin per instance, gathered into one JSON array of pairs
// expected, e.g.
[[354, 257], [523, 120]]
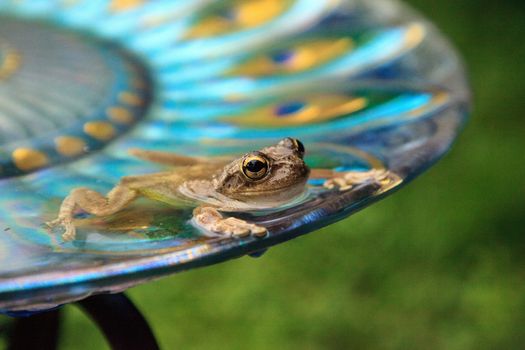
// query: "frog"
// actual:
[[269, 178]]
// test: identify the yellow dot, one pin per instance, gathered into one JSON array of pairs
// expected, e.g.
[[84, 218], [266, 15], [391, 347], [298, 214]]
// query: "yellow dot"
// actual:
[[69, 3], [119, 115], [100, 130], [256, 12], [130, 99], [415, 34], [10, 64], [69, 146], [209, 26], [123, 5], [29, 159], [234, 97]]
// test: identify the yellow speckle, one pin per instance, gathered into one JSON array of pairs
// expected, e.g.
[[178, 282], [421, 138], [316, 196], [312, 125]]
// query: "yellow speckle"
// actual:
[[123, 5], [100, 130], [69, 146], [119, 115], [307, 55], [256, 12], [130, 99], [246, 14], [29, 159], [415, 35], [316, 109], [234, 97], [69, 3], [207, 27], [318, 52], [335, 106], [11, 61]]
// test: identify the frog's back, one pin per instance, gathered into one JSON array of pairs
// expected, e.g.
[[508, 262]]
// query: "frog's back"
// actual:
[[164, 187]]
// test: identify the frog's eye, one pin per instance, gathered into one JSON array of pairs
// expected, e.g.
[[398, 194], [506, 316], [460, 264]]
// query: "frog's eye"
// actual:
[[255, 167]]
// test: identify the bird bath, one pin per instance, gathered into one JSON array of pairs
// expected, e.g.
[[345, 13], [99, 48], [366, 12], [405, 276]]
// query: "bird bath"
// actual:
[[363, 84]]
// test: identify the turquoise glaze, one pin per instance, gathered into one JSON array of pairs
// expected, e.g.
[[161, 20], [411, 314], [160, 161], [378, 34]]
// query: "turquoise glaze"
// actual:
[[363, 84]]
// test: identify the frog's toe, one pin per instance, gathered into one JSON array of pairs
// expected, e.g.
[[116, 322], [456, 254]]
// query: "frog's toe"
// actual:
[[338, 182], [259, 231], [348, 180], [389, 181], [206, 215], [70, 232], [233, 227], [211, 220], [238, 228], [69, 228], [53, 223], [68, 236], [246, 229], [223, 227], [241, 232]]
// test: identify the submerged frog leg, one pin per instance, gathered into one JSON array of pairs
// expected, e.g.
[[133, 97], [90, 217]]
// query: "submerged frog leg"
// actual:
[[93, 203], [347, 180], [210, 219]]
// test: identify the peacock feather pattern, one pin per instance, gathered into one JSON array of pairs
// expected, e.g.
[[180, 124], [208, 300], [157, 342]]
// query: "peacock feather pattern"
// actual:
[[363, 84]]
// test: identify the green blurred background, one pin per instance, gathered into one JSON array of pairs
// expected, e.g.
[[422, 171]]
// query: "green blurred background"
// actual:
[[438, 265]]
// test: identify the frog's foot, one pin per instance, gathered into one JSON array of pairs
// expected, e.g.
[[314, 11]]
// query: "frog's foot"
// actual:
[[69, 228], [210, 219], [347, 180]]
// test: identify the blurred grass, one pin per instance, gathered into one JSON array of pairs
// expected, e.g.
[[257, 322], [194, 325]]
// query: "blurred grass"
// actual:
[[438, 265]]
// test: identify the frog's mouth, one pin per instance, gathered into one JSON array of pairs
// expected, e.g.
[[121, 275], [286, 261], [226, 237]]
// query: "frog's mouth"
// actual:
[[282, 193], [203, 192]]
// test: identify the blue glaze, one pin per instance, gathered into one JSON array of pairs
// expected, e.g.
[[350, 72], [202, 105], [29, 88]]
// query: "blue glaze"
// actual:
[[401, 115]]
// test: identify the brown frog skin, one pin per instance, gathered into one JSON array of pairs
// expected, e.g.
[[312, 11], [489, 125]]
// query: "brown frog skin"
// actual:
[[269, 178], [258, 180]]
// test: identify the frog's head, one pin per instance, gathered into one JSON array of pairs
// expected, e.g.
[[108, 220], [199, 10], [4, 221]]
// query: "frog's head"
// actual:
[[273, 174]]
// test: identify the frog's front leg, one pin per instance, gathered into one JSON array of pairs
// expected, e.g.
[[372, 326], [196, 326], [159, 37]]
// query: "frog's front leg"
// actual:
[[347, 180], [93, 203], [212, 220]]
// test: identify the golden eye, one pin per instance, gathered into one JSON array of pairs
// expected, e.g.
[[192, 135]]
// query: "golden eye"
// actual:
[[255, 167]]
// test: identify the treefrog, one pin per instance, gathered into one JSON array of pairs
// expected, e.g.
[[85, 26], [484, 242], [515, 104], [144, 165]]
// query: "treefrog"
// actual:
[[260, 180]]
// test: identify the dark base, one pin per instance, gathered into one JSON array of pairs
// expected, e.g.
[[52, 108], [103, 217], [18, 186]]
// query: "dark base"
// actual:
[[121, 322], [38, 331]]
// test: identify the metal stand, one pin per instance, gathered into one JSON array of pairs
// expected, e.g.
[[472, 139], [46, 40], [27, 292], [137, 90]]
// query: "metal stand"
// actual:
[[39, 331], [117, 317], [120, 321]]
